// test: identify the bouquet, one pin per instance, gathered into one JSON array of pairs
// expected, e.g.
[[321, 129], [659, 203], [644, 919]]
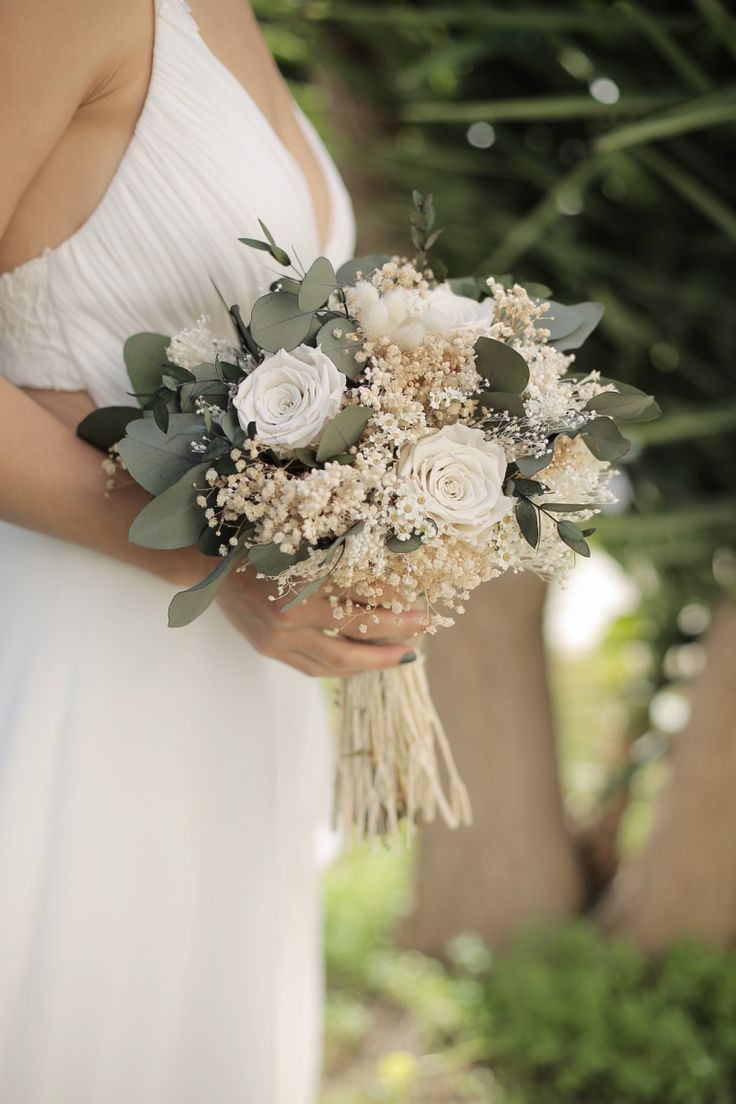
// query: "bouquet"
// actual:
[[388, 436]]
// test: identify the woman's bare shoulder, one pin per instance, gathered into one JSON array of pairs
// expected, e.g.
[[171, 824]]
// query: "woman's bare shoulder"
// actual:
[[55, 56]]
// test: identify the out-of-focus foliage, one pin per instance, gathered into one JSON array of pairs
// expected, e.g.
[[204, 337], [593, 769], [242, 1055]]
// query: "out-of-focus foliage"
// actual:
[[564, 1016], [573, 1018], [584, 145]]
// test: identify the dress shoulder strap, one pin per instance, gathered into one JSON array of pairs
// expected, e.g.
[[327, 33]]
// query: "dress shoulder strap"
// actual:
[[178, 9]]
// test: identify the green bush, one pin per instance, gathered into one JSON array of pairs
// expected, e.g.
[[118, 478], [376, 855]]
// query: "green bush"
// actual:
[[574, 1019]]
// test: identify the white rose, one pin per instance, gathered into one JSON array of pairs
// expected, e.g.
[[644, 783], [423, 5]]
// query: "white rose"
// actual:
[[290, 396], [406, 315], [460, 475]]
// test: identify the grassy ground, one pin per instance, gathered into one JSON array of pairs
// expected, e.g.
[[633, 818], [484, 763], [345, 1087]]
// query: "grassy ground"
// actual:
[[400, 1028]]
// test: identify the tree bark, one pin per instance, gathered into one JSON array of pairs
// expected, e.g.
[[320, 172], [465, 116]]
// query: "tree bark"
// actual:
[[684, 881], [517, 862]]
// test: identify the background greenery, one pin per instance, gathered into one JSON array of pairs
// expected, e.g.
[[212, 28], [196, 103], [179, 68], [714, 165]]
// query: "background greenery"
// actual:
[[585, 145], [563, 1017]]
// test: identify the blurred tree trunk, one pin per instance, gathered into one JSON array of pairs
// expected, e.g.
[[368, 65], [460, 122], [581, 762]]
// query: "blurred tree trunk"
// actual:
[[517, 862], [684, 881]]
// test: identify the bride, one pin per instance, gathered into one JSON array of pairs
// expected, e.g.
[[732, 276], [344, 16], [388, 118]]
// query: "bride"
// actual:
[[161, 791]]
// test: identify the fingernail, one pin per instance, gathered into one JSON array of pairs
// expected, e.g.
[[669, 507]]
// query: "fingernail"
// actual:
[[408, 658]]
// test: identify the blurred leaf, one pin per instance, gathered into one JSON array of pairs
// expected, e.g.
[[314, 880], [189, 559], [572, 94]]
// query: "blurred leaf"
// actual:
[[343, 431], [172, 519], [104, 427]]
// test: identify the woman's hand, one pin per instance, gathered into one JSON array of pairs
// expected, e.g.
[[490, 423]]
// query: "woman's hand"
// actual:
[[298, 636]]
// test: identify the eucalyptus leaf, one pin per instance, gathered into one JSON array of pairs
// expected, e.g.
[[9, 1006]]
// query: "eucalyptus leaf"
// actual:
[[536, 291], [348, 273], [317, 286], [246, 338], [278, 323], [341, 540], [228, 373], [528, 487], [186, 606], [559, 320], [308, 457], [286, 283], [157, 460], [103, 428], [573, 537], [604, 439], [341, 350], [528, 521], [208, 542], [268, 559], [590, 315], [502, 367], [343, 431], [502, 400], [570, 507], [394, 544], [161, 414], [306, 592], [254, 243], [172, 519], [530, 465], [627, 407], [232, 428], [280, 255], [472, 287], [146, 361]]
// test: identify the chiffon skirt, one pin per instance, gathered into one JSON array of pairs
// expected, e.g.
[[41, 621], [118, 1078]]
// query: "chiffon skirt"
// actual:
[[161, 792]]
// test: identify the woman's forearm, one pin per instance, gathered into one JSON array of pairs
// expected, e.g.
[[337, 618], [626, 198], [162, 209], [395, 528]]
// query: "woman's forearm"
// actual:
[[53, 482]]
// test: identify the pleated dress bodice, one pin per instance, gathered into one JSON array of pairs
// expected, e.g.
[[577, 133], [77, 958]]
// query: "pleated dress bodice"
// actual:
[[204, 164]]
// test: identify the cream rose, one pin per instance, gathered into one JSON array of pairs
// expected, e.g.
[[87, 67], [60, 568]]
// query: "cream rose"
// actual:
[[406, 315], [460, 476], [290, 396]]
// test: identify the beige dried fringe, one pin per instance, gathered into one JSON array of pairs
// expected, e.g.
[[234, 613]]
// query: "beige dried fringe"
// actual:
[[394, 758]]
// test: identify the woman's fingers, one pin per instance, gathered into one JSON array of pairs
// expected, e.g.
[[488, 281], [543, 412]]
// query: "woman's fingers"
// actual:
[[361, 625], [334, 655], [383, 625]]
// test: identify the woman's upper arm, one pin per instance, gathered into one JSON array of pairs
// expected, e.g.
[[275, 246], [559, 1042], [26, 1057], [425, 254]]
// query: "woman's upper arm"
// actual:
[[50, 61]]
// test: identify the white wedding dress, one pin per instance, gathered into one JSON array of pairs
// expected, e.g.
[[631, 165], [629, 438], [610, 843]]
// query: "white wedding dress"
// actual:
[[161, 791]]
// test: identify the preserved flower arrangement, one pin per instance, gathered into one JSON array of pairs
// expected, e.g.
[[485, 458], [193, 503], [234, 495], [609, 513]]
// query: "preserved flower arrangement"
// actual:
[[390, 438]]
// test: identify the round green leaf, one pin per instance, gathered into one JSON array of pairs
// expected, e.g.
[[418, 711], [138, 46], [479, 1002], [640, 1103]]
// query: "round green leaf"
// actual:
[[278, 323], [604, 439], [360, 268], [172, 519], [343, 431], [156, 460], [317, 286], [502, 367], [341, 350], [394, 544], [502, 400]]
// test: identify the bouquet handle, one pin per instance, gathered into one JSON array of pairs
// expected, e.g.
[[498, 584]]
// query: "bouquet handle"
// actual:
[[394, 757]]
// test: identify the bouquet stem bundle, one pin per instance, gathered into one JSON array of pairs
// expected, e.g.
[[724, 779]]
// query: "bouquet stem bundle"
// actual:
[[394, 757]]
